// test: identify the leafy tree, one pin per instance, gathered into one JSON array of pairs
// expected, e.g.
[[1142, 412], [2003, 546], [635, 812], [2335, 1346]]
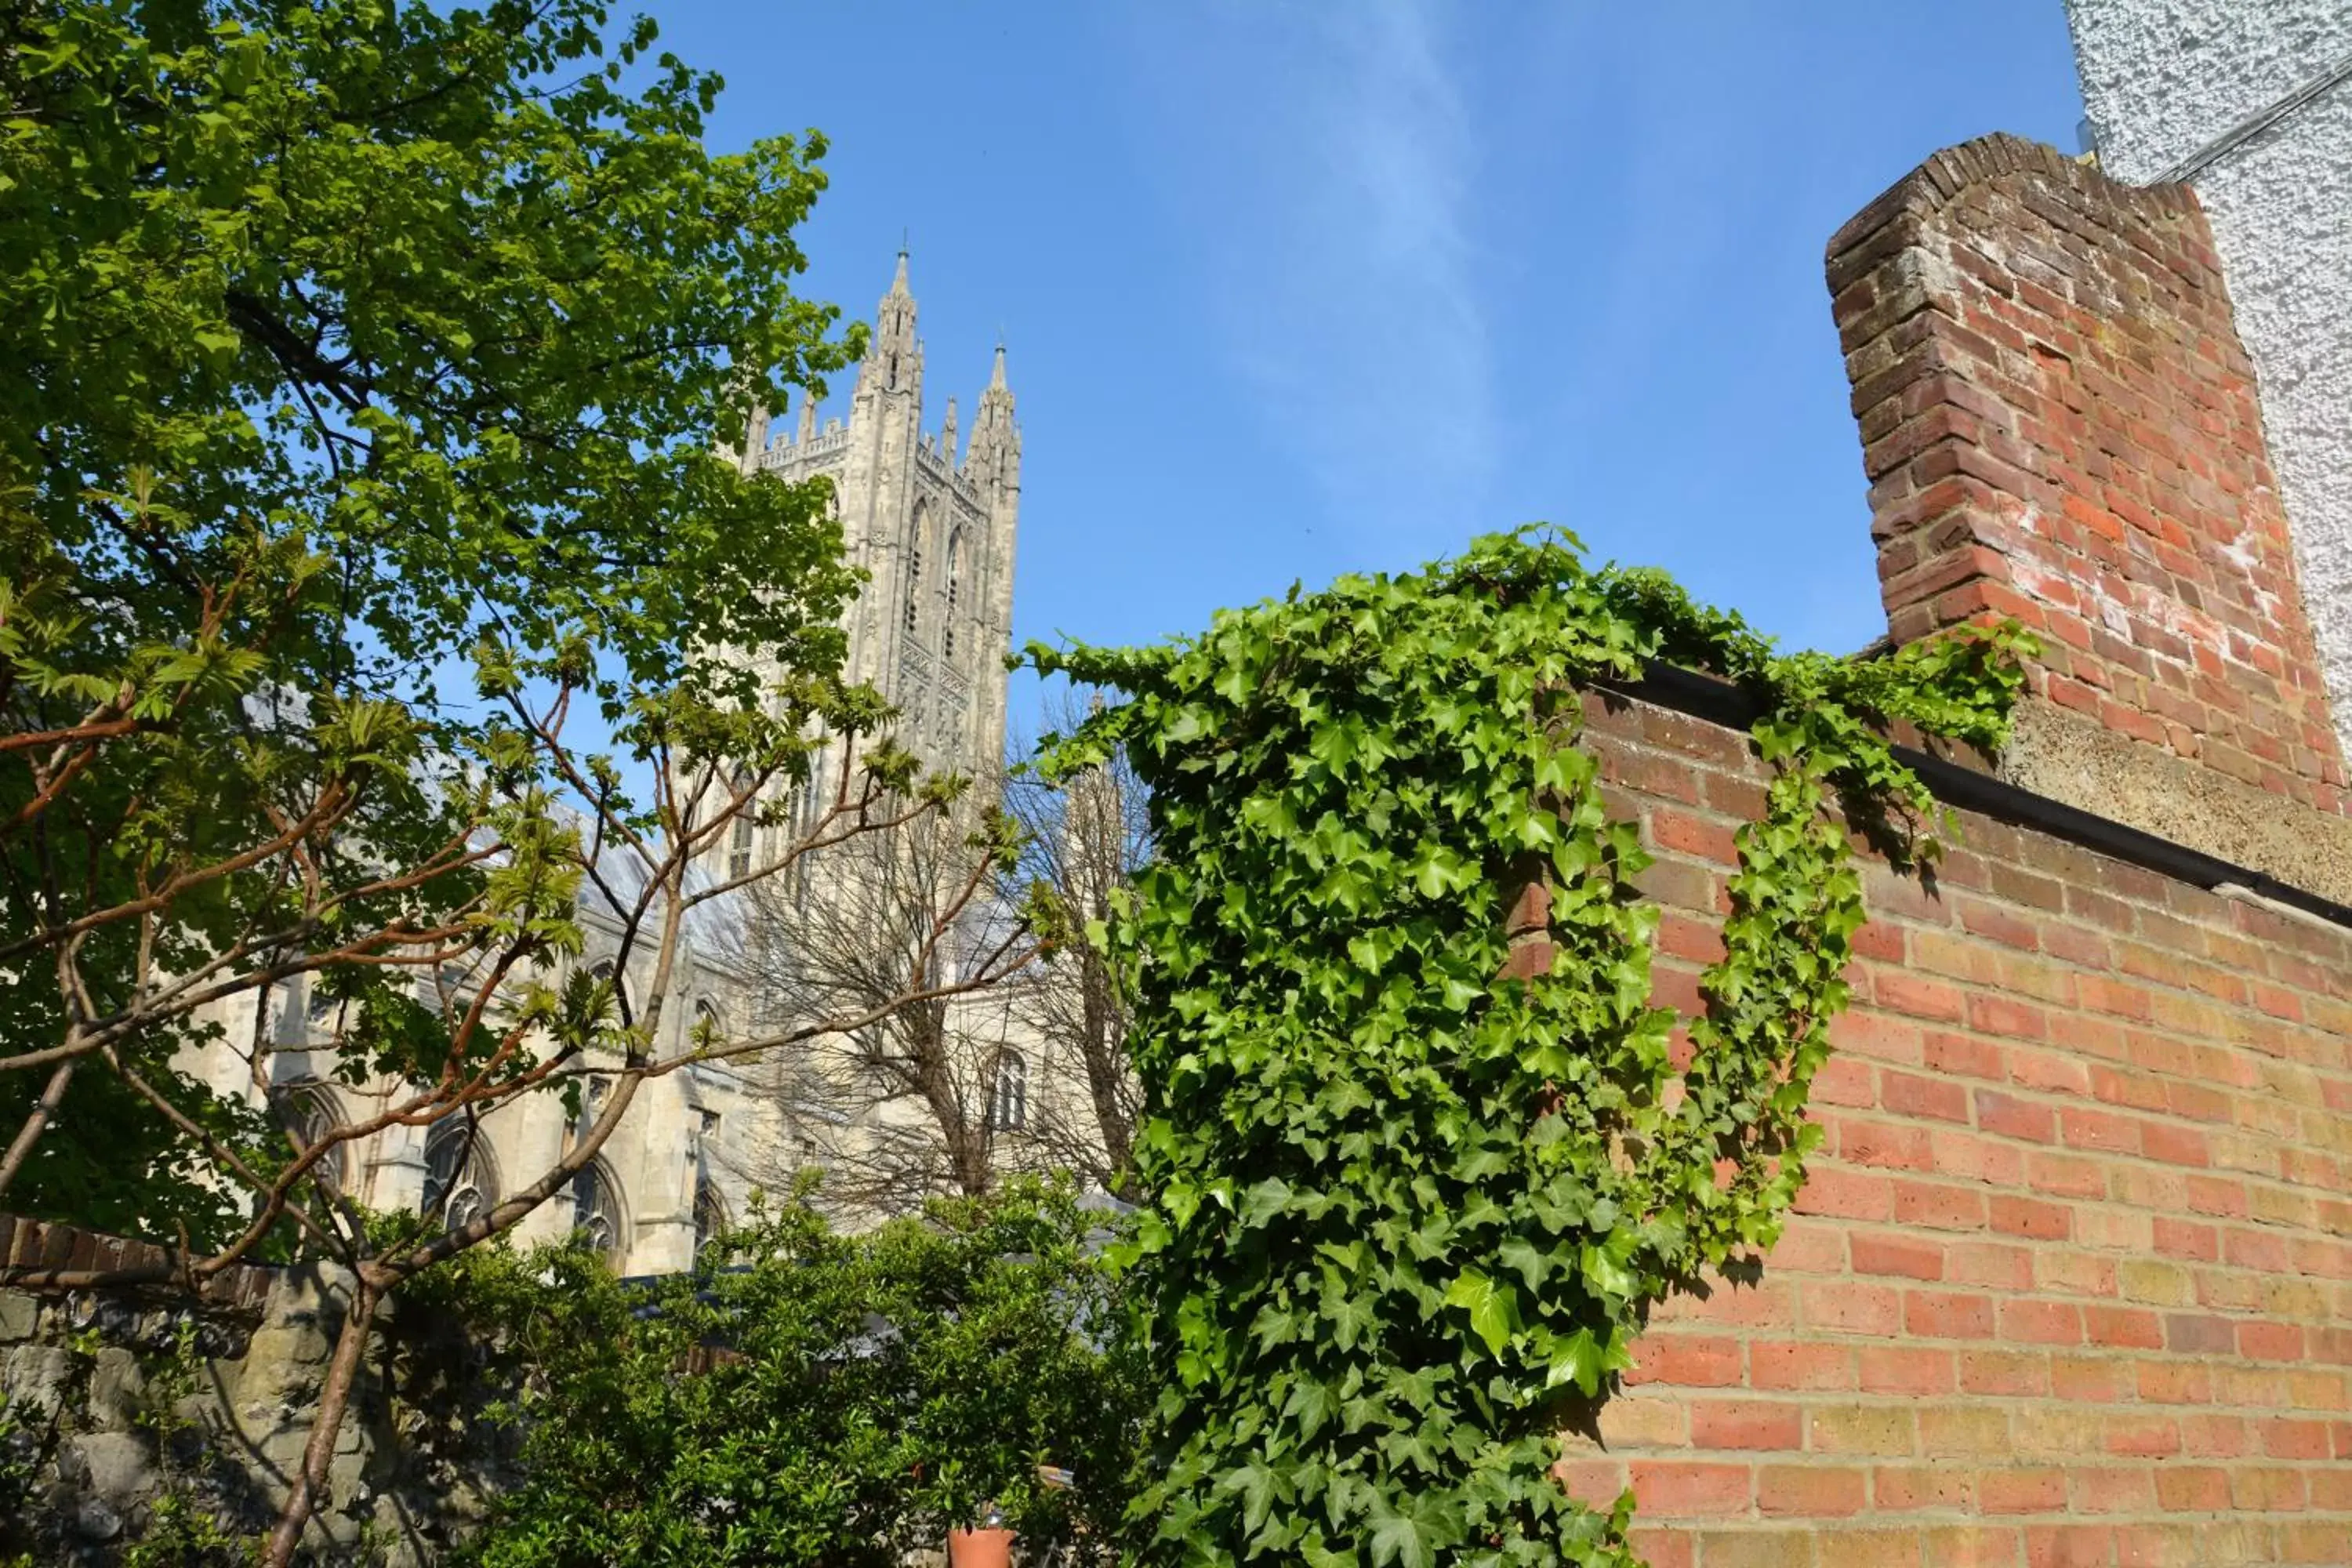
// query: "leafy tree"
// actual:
[[365, 362], [1412, 1188], [339, 339], [821, 1400]]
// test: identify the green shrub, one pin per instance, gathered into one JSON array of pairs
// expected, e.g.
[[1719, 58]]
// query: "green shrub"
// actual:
[[823, 1398]]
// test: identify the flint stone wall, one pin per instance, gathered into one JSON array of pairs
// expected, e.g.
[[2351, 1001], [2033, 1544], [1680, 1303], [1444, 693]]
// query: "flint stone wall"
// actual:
[[114, 1401]]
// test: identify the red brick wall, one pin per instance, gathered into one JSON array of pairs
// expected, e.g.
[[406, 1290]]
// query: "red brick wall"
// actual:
[[2071, 1281], [40, 1246], [2059, 423]]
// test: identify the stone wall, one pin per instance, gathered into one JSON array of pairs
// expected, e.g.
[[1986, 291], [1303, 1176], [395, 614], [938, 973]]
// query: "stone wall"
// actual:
[[124, 1405]]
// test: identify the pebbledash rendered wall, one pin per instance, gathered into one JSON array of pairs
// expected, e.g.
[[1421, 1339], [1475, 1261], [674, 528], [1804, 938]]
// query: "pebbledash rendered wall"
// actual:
[[2250, 101], [2071, 1282]]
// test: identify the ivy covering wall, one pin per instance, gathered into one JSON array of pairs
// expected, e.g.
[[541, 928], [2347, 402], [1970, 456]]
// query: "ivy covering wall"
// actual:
[[1405, 1215]]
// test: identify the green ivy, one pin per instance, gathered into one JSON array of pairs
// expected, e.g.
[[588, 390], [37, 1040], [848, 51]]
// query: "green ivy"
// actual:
[[1404, 1216]]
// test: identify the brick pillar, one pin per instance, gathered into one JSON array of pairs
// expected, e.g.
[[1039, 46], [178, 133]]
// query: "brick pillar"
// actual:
[[1527, 924], [2059, 423]]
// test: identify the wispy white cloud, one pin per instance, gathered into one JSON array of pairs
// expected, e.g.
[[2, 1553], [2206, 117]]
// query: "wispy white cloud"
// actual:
[[1357, 315]]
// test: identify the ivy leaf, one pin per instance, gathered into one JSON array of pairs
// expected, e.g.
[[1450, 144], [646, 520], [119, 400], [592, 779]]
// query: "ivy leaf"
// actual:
[[1312, 1402], [1317, 1022], [1396, 1538], [1263, 1200], [1274, 1326], [1348, 1316], [1576, 1358], [1254, 1483], [1319, 1555], [1605, 1269], [1530, 1261], [1493, 1314]]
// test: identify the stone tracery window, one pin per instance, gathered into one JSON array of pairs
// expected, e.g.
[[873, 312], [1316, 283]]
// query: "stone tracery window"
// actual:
[[915, 565], [314, 1113], [709, 1208], [742, 832], [709, 1213], [458, 1182], [739, 848], [955, 555], [1008, 1099], [596, 1208]]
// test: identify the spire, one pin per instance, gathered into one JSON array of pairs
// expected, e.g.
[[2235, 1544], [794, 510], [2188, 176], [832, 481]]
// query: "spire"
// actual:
[[994, 449], [808, 415], [893, 353], [948, 436], [995, 412], [897, 311]]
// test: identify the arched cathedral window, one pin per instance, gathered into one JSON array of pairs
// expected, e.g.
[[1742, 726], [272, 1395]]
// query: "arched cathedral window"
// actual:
[[709, 1215], [596, 1211], [923, 522], [458, 1183], [709, 1208], [743, 830], [592, 1102], [1008, 1099], [738, 848], [314, 1114], [955, 561]]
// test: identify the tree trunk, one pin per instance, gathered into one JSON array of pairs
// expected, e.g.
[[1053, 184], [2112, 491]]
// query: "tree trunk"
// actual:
[[1105, 1070], [334, 1395]]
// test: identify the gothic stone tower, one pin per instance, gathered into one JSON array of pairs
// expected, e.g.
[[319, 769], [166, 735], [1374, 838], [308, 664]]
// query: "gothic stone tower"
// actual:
[[934, 528]]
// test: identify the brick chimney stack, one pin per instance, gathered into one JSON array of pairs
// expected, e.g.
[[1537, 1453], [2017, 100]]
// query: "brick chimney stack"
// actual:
[[2059, 423]]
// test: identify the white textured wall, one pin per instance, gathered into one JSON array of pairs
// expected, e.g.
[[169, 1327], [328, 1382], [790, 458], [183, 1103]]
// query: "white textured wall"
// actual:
[[2164, 78]]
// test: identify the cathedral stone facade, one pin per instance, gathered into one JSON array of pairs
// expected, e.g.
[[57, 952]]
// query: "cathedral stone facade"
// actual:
[[933, 526]]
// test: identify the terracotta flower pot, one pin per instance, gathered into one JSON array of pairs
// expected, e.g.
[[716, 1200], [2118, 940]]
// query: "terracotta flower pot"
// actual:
[[980, 1549]]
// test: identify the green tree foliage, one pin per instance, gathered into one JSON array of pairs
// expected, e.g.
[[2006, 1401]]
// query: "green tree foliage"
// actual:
[[346, 344], [821, 1400], [349, 349], [1404, 1215]]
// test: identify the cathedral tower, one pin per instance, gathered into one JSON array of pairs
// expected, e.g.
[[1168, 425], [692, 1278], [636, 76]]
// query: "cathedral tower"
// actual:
[[933, 528]]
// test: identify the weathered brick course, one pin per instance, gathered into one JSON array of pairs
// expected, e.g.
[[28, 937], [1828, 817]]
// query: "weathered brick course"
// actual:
[[2071, 1281]]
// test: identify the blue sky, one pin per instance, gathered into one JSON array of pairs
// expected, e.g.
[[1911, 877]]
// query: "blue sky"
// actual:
[[1290, 289]]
